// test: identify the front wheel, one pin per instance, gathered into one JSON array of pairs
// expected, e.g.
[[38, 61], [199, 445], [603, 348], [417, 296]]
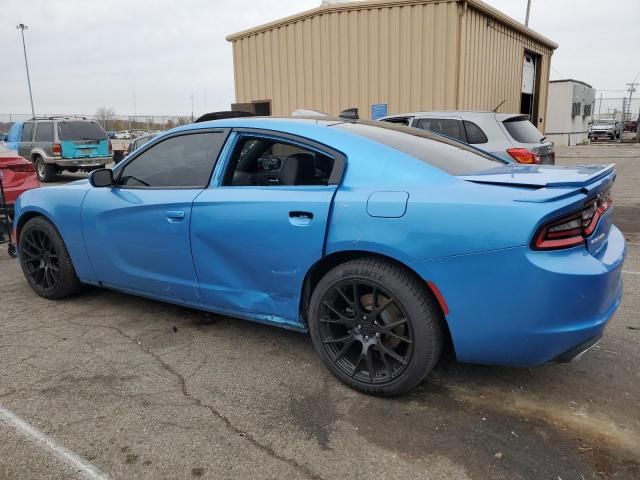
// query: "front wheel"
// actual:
[[375, 326], [45, 262]]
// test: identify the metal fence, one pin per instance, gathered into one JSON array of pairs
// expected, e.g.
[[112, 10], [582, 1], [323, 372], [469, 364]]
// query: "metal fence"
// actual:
[[115, 122], [616, 107]]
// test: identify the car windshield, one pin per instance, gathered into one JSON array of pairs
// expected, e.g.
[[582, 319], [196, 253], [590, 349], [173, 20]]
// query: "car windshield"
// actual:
[[522, 130], [605, 122], [448, 155], [81, 130]]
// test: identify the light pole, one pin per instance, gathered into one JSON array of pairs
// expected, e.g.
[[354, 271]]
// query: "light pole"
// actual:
[[526, 21], [22, 27]]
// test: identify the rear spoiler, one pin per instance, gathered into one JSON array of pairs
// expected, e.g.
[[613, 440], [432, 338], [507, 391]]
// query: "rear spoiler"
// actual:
[[223, 115], [602, 172]]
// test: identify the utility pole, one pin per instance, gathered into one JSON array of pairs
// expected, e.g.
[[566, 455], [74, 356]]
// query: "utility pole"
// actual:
[[526, 21], [631, 90], [192, 119], [135, 109], [600, 107], [628, 109], [22, 27]]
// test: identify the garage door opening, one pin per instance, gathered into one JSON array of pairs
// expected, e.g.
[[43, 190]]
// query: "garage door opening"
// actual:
[[530, 96]]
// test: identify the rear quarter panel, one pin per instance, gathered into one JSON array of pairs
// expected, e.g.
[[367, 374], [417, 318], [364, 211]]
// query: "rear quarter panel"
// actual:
[[445, 216]]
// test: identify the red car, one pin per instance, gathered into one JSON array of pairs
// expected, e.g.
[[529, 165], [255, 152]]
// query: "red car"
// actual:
[[18, 175]]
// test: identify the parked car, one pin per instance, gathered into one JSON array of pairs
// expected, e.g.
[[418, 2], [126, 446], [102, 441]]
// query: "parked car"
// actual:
[[140, 141], [18, 176], [111, 134], [123, 135], [631, 126], [139, 133], [511, 137], [55, 144], [3, 137], [605, 128], [381, 240]]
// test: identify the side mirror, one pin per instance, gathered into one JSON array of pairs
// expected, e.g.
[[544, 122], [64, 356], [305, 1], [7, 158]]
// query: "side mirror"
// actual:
[[101, 178]]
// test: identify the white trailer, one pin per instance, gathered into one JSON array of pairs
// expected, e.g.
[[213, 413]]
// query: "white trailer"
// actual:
[[569, 112]]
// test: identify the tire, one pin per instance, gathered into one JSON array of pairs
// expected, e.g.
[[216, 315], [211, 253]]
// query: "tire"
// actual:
[[46, 171], [45, 261], [398, 336]]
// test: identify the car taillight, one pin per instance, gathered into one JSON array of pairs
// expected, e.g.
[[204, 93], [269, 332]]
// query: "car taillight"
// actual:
[[56, 149], [22, 167], [522, 155], [110, 149], [571, 230]]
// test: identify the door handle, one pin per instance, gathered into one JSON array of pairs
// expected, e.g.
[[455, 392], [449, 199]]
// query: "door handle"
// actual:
[[175, 216], [300, 219]]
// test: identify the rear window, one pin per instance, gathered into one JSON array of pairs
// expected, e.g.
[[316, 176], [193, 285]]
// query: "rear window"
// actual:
[[78, 130], [448, 155], [523, 131]]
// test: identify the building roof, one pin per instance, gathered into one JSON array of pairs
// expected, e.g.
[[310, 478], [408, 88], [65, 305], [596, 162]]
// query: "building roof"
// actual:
[[465, 114], [368, 4], [572, 81]]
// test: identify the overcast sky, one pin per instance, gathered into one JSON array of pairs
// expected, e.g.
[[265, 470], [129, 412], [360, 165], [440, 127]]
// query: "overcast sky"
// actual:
[[88, 53]]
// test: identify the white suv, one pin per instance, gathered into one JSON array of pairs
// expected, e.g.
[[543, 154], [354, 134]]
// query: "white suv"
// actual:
[[510, 136]]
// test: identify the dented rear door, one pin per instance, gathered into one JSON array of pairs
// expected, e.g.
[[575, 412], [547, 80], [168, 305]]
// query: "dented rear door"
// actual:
[[252, 247]]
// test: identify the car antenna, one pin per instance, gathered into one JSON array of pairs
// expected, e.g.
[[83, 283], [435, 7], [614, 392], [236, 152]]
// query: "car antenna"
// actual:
[[495, 110]]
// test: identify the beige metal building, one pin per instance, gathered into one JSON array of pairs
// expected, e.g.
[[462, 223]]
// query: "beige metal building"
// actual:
[[395, 56]]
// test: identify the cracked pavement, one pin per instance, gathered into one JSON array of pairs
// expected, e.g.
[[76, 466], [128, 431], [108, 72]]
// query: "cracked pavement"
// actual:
[[142, 389]]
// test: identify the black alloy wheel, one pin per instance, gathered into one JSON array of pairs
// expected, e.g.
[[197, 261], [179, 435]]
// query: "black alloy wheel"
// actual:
[[40, 259], [45, 261], [365, 331], [376, 326]]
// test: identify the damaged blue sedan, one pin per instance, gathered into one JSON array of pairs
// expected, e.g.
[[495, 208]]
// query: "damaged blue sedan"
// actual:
[[385, 243]]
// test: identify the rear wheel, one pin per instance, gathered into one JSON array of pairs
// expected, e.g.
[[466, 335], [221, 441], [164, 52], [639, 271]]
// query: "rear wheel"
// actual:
[[45, 262], [375, 326], [46, 171]]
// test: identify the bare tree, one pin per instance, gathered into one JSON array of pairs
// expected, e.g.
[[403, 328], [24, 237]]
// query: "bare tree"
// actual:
[[105, 115]]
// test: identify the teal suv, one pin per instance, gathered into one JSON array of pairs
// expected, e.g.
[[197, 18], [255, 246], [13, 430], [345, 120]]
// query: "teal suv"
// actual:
[[55, 144]]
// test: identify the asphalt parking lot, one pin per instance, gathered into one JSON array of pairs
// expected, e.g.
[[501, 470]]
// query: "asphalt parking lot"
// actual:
[[128, 388]]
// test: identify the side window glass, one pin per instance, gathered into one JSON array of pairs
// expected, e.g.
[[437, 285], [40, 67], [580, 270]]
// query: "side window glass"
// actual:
[[266, 162], [184, 161], [44, 132], [475, 133], [444, 126], [27, 132]]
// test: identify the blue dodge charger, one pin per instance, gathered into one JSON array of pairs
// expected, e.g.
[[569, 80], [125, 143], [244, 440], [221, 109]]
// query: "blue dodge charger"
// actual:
[[385, 243]]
